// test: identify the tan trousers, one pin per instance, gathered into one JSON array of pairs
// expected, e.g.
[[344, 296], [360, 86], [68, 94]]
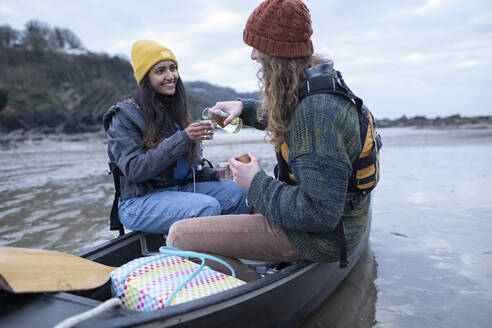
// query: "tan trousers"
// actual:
[[245, 236]]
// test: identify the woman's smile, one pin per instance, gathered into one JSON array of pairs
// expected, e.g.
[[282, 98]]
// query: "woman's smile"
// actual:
[[163, 77]]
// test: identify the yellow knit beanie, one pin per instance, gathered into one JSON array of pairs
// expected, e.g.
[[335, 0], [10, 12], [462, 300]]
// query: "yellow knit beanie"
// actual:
[[145, 54]]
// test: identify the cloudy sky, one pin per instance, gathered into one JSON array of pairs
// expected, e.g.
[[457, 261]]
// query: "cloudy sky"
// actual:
[[405, 57]]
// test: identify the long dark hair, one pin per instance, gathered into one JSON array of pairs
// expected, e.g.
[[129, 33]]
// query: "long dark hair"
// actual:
[[160, 113]]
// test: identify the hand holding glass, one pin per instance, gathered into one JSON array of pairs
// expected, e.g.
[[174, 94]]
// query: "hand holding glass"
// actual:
[[198, 131]]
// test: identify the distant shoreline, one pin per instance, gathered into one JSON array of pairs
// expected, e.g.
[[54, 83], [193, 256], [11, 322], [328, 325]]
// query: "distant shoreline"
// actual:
[[448, 121], [95, 132]]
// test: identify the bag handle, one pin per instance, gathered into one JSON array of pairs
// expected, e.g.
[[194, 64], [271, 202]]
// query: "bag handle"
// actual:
[[168, 250], [171, 251]]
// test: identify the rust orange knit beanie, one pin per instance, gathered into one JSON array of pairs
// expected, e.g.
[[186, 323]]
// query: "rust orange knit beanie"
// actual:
[[281, 28]]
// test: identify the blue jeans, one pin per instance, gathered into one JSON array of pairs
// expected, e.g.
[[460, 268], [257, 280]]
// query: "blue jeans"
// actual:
[[155, 212]]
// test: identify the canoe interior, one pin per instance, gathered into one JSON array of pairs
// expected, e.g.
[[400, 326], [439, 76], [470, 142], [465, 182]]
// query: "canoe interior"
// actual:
[[282, 299]]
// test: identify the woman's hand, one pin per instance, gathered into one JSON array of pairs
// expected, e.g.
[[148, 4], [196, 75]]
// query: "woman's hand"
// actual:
[[234, 108], [200, 131], [243, 173]]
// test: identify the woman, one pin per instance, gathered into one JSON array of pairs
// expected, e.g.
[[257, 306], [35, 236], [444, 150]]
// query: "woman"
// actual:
[[152, 140], [316, 139]]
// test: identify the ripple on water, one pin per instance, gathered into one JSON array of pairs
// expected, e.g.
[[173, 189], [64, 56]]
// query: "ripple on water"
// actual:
[[10, 237]]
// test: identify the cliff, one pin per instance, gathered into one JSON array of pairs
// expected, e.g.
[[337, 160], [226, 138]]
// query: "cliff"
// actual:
[[50, 83]]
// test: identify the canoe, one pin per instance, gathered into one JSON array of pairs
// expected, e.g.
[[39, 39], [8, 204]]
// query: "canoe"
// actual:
[[283, 297]]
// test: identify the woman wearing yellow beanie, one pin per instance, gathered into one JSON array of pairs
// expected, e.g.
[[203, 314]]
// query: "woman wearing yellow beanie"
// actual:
[[155, 145]]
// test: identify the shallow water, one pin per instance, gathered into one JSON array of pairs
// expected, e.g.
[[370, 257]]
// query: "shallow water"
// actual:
[[432, 230], [430, 258]]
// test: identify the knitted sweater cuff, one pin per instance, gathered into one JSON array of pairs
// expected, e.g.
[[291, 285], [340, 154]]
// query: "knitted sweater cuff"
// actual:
[[255, 190], [248, 114]]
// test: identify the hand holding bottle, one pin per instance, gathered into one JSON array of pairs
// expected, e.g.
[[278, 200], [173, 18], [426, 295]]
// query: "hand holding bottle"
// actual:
[[225, 115], [233, 108]]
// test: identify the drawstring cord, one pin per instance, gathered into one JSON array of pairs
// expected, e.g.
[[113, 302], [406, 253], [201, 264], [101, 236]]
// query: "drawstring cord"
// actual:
[[194, 179]]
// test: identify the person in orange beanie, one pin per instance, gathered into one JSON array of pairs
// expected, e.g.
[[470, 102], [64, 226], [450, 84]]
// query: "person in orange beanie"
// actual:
[[318, 208]]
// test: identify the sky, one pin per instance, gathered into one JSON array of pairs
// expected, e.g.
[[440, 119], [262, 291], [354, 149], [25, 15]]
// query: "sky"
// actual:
[[407, 57]]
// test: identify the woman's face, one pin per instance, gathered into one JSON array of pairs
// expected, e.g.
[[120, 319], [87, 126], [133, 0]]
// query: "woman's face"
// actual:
[[163, 77]]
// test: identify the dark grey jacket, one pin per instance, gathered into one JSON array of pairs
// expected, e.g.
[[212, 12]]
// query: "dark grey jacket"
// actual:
[[125, 127]]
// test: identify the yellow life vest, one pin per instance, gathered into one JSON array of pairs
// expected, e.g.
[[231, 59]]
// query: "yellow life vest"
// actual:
[[365, 169]]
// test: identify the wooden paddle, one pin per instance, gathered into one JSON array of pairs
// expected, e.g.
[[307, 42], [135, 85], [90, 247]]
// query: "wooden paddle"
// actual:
[[24, 270]]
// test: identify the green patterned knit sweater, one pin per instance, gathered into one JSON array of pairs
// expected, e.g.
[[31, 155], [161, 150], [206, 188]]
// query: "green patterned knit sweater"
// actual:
[[323, 142]]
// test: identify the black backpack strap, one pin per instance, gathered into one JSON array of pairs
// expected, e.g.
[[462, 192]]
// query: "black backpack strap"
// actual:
[[204, 161], [128, 108], [114, 219]]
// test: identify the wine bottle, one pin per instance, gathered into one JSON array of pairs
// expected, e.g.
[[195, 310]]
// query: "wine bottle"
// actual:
[[218, 117]]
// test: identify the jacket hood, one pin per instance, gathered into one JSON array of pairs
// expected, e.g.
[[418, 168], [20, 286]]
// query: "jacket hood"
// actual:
[[129, 110]]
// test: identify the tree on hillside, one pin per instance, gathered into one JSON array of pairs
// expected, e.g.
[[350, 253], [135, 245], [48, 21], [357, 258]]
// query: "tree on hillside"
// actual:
[[39, 37], [36, 36], [8, 36], [63, 38]]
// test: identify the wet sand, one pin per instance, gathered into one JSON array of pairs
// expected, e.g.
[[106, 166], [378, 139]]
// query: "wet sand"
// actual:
[[430, 258]]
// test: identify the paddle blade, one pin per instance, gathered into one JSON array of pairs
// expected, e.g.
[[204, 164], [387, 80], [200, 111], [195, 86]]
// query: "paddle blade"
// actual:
[[24, 270]]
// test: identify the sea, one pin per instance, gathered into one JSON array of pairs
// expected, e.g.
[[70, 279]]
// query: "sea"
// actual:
[[429, 259]]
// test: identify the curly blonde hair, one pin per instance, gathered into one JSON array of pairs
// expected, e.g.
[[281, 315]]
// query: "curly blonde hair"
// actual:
[[279, 79]]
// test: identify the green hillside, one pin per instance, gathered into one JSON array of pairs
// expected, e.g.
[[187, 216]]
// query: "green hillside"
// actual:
[[48, 80]]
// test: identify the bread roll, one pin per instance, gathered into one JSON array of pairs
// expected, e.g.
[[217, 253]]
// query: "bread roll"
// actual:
[[244, 158]]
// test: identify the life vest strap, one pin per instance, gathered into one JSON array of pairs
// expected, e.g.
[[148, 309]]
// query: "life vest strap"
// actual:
[[365, 161], [327, 84]]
